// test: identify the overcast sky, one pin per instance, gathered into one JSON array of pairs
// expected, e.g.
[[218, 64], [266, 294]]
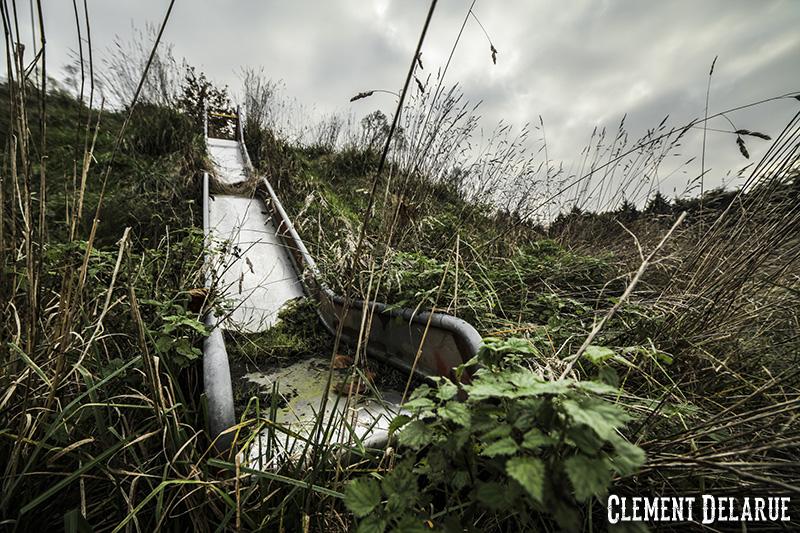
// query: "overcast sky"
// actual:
[[578, 64]]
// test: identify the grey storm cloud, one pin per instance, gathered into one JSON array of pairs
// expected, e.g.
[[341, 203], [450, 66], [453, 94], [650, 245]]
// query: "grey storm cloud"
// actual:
[[580, 64]]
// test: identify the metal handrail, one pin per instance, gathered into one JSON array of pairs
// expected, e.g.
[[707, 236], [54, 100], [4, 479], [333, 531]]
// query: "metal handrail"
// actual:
[[223, 115], [216, 367]]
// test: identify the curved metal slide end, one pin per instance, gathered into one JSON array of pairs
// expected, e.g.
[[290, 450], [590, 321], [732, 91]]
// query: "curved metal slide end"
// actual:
[[427, 344], [448, 341], [470, 339], [217, 386]]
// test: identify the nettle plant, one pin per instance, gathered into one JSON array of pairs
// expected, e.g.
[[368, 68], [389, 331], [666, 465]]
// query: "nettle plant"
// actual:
[[516, 452], [177, 332]]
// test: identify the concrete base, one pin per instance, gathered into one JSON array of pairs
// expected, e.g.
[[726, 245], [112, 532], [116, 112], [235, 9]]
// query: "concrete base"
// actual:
[[301, 386]]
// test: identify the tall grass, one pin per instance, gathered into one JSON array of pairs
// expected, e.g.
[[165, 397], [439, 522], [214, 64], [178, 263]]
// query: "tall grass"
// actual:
[[702, 346], [101, 405]]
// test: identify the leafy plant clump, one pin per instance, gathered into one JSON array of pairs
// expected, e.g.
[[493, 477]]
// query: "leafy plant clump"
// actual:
[[517, 452], [298, 334]]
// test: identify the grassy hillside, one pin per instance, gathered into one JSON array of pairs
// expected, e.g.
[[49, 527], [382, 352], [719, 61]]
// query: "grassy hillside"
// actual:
[[95, 317]]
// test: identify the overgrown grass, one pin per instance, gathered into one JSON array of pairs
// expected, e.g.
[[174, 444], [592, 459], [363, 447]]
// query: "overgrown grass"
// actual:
[[702, 355], [691, 385]]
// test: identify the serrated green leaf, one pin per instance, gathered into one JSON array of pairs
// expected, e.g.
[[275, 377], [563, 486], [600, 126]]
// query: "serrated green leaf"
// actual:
[[497, 432], [446, 390], [419, 404], [173, 321], [398, 422], [372, 524], [589, 476], [400, 487], [528, 472], [414, 435], [455, 412], [586, 441], [420, 392], [504, 446], [524, 378], [361, 496], [534, 439], [628, 457], [543, 387], [481, 390], [598, 354], [486, 419], [602, 416], [163, 344], [494, 347]]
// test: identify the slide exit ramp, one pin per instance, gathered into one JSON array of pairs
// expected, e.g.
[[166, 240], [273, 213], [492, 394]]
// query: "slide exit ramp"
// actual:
[[258, 263]]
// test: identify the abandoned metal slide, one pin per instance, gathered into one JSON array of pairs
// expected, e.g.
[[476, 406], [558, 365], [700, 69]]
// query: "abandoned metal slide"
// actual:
[[259, 263]]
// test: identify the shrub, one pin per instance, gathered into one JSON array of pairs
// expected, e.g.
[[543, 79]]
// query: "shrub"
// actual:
[[156, 131], [518, 450]]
